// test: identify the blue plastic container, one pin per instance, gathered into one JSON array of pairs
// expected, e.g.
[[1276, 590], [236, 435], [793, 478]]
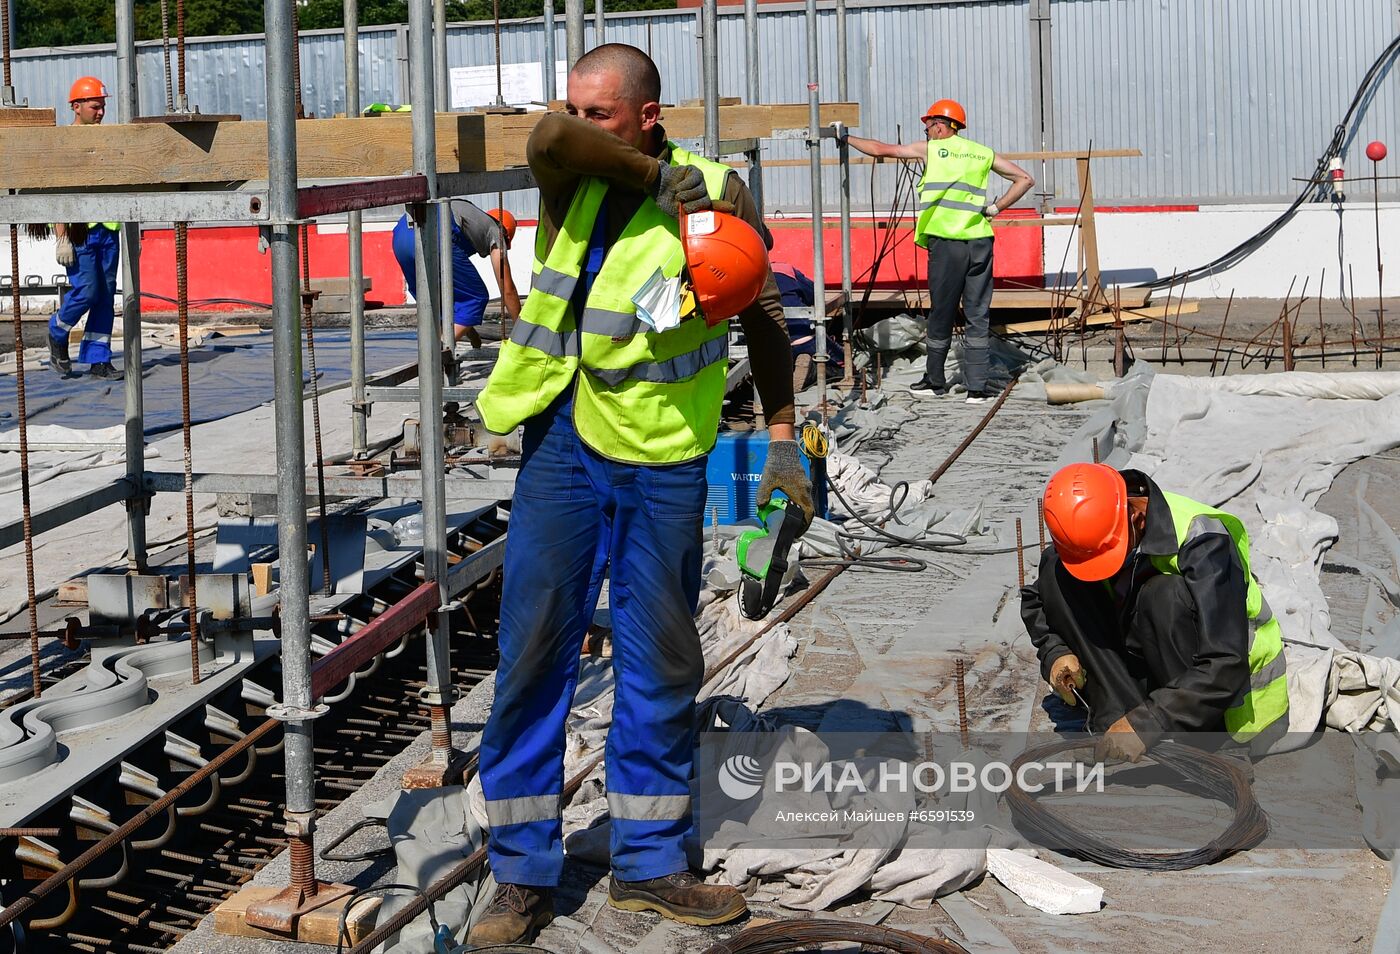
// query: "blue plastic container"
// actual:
[[734, 469]]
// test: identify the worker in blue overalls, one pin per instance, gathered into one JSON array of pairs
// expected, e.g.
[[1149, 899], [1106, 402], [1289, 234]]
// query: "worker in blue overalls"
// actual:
[[90, 253], [474, 233]]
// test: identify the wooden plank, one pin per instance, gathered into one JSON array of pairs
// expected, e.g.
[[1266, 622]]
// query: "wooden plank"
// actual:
[[116, 155], [1075, 154], [10, 116], [1001, 298], [858, 160], [319, 927], [1046, 324]]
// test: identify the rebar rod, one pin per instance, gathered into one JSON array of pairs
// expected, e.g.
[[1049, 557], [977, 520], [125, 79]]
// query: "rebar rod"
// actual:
[[814, 153], [21, 412], [182, 300], [182, 102], [308, 317]]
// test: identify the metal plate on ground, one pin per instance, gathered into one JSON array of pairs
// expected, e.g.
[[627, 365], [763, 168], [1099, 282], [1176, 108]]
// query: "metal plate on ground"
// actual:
[[123, 597]]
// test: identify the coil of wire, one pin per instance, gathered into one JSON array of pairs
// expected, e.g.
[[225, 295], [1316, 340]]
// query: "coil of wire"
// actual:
[[1215, 775], [803, 935]]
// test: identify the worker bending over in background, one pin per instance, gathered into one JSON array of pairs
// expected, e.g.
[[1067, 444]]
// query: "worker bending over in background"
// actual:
[[474, 232], [619, 419], [955, 226], [1146, 610], [89, 252]]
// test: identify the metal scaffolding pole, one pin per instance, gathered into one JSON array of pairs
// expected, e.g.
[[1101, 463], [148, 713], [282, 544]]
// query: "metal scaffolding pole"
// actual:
[[444, 231], [709, 73], [814, 151], [844, 151], [550, 54], [573, 30], [600, 28], [128, 107], [438, 693], [355, 236], [296, 708], [751, 59]]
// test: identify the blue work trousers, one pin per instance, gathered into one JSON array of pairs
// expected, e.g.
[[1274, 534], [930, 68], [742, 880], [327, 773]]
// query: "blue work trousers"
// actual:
[[573, 507], [469, 294], [93, 277]]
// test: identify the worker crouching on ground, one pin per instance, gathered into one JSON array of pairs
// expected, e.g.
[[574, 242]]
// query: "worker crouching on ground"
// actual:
[[955, 225], [474, 233], [619, 419], [1146, 610], [90, 253]]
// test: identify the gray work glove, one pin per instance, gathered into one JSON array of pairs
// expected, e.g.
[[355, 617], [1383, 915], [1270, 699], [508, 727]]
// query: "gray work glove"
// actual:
[[783, 471], [680, 189], [63, 252]]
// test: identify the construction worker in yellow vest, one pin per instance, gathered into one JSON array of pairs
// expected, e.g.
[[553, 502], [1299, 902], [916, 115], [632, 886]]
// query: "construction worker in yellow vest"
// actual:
[[619, 392], [955, 225], [1147, 612]]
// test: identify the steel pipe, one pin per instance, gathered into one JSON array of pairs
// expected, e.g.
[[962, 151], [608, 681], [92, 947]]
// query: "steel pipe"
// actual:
[[549, 52], [573, 30], [355, 238], [709, 74], [430, 407], [814, 152], [128, 107], [291, 458]]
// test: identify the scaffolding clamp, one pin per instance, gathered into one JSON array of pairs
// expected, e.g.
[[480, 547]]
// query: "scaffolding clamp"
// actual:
[[286, 712]]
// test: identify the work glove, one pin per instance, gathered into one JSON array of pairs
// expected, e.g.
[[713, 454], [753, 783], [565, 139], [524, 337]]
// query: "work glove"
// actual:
[[1120, 744], [680, 189], [784, 472], [63, 251], [1066, 675]]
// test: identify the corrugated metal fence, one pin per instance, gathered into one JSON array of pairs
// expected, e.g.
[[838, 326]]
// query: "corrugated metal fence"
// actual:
[[1229, 102]]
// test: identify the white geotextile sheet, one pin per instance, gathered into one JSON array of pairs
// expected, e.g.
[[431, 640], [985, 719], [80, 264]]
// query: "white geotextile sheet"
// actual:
[[1268, 458]]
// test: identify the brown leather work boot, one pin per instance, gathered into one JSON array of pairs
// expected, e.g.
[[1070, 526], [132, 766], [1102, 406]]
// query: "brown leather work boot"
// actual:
[[515, 913], [680, 897]]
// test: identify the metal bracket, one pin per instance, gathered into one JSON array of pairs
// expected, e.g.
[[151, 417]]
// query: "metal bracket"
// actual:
[[280, 912], [431, 697], [285, 712]]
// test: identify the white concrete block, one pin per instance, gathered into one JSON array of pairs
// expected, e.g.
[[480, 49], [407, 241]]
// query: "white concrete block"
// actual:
[[1042, 885]]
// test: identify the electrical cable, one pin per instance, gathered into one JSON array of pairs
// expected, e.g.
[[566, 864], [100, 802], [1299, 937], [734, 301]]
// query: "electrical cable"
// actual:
[[1317, 182], [1218, 776], [210, 301], [342, 933]]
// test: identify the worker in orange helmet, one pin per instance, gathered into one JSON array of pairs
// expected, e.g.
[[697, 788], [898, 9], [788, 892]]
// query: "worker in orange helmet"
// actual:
[[1147, 612], [89, 252], [474, 234], [616, 369], [955, 225]]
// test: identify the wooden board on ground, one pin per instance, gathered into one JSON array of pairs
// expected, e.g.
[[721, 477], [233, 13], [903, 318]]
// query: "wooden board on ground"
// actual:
[[1028, 298], [1065, 324], [318, 927], [159, 154], [12, 116]]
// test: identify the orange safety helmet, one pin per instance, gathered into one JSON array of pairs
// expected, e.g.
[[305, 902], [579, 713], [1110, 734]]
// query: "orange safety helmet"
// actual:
[[1086, 511], [727, 260], [507, 222], [87, 87], [948, 109]]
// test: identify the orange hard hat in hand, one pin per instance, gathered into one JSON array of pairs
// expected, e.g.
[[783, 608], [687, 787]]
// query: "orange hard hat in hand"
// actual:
[[87, 87], [507, 222], [727, 261], [948, 109], [1086, 512]]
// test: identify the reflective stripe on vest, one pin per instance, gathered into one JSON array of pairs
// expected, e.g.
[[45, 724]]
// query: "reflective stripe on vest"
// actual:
[[645, 397], [953, 192], [1264, 703]]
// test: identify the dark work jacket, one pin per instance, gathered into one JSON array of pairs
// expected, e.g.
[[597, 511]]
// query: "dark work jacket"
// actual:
[[1197, 698]]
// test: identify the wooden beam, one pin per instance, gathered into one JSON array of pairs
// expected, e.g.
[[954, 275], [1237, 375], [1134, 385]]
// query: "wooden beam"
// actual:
[[1030, 298], [866, 160], [26, 117], [125, 155]]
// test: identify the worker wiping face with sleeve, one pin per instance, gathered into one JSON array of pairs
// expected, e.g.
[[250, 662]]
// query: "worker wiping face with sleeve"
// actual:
[[89, 252], [1146, 611], [617, 371]]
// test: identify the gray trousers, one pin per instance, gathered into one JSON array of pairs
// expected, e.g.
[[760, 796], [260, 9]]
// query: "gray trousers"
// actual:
[[959, 270]]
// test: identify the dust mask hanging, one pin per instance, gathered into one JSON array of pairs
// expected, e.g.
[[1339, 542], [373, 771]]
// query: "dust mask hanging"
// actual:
[[658, 301]]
